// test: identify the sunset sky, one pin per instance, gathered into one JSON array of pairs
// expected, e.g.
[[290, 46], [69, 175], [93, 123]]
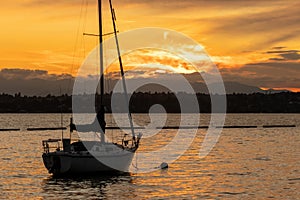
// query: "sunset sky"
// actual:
[[252, 42]]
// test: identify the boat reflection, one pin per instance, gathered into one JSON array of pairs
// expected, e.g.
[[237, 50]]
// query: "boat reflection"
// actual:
[[78, 187]]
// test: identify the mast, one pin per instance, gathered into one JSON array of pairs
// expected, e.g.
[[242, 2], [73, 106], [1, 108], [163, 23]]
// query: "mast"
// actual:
[[101, 113], [101, 52], [113, 15]]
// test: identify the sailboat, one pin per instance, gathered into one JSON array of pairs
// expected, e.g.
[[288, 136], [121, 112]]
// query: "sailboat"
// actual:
[[96, 156]]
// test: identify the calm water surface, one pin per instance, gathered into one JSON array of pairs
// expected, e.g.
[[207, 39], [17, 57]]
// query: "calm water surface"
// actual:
[[244, 164]]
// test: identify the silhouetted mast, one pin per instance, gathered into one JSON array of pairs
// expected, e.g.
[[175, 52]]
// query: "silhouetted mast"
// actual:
[[101, 113], [101, 53]]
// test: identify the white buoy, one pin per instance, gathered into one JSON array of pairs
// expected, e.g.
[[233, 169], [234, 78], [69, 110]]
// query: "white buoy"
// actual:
[[164, 165]]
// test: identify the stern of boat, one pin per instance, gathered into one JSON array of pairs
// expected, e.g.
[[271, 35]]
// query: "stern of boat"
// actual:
[[56, 162]]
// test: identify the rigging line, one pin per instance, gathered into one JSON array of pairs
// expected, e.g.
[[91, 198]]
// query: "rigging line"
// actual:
[[76, 41], [122, 70]]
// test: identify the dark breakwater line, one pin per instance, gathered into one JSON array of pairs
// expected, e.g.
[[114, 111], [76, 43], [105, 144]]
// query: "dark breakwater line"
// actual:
[[46, 129], [279, 126], [9, 129], [164, 127]]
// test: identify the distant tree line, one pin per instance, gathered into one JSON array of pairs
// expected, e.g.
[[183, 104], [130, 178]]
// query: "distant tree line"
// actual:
[[285, 102]]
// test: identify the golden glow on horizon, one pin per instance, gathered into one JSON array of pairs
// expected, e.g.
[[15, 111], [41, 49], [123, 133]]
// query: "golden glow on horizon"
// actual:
[[290, 89]]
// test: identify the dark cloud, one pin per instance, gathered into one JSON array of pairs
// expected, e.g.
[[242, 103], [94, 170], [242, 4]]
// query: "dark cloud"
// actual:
[[276, 59], [285, 55], [277, 48], [34, 82], [245, 79], [21, 73], [290, 56], [266, 74], [18, 74], [278, 66], [283, 51]]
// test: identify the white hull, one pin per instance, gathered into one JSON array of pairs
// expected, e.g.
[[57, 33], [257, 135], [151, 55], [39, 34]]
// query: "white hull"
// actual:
[[102, 158]]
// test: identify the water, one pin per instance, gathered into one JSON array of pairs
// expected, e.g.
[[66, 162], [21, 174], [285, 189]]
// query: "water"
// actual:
[[244, 164]]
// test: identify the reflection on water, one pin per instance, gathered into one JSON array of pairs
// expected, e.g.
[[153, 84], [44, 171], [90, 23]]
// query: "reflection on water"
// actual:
[[244, 164], [86, 187]]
